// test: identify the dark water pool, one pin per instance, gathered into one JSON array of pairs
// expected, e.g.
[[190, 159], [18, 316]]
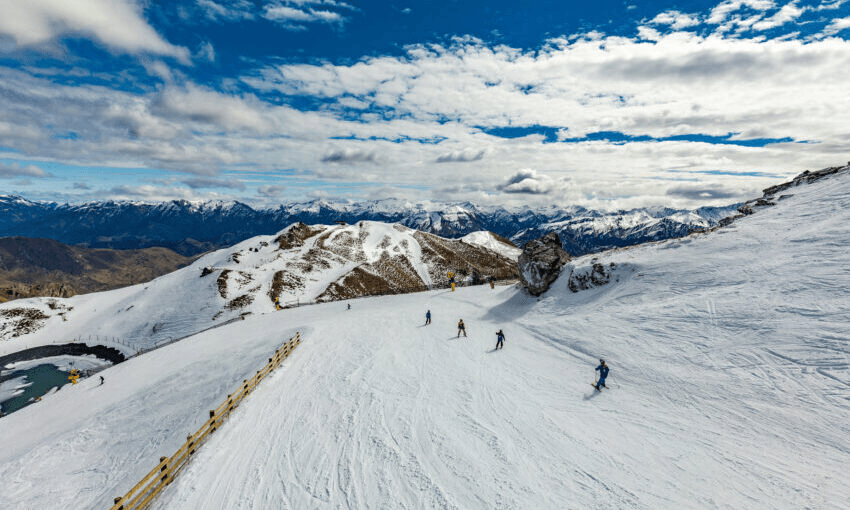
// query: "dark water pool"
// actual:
[[43, 378]]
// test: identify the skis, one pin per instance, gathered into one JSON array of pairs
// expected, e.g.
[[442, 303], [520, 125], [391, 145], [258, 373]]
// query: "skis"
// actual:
[[597, 389]]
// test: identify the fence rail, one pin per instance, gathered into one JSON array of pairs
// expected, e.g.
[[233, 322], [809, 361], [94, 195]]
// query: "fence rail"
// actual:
[[143, 493]]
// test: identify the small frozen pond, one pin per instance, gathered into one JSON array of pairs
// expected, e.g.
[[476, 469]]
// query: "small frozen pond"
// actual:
[[23, 382]]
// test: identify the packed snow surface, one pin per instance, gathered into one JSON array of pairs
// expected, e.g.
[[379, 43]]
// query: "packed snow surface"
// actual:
[[729, 388]]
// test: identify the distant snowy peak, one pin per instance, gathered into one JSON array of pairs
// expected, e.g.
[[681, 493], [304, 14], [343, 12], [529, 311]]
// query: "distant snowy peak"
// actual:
[[191, 228]]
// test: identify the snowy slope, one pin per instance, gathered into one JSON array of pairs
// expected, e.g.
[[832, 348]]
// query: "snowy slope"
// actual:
[[730, 388], [491, 242], [300, 264]]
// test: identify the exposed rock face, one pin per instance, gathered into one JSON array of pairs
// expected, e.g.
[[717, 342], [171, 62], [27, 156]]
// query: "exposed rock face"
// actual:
[[589, 277], [540, 263]]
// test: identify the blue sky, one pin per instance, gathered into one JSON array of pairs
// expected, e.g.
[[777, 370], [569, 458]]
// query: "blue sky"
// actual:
[[605, 104]]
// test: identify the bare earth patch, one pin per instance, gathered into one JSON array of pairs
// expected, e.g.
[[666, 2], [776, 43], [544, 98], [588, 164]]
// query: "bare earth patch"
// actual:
[[21, 321]]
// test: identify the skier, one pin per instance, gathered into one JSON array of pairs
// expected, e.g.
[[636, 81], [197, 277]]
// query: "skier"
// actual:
[[603, 373], [101, 380], [461, 327], [500, 340], [349, 306], [428, 317]]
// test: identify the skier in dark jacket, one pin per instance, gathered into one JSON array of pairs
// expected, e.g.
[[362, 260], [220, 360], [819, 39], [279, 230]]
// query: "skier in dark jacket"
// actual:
[[603, 373], [428, 317], [500, 340], [461, 327]]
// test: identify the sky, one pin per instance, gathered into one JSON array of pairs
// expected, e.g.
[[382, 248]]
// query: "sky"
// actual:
[[607, 104]]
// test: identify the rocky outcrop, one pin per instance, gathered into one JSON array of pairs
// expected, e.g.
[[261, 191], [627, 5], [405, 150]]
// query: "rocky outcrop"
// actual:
[[540, 263], [770, 199], [586, 278], [295, 235]]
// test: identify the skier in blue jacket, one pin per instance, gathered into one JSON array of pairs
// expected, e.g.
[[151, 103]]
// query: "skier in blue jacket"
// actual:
[[603, 373]]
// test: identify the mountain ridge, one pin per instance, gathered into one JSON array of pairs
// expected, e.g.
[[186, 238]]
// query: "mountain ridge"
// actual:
[[192, 228]]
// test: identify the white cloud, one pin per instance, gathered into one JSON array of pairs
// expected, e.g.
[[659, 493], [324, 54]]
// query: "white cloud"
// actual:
[[837, 25], [233, 10], [675, 19], [13, 170], [722, 13], [462, 156], [291, 17], [388, 121], [118, 24], [530, 182], [348, 156], [788, 13], [206, 52], [203, 105]]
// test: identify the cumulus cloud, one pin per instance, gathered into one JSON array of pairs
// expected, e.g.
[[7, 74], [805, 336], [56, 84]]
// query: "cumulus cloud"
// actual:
[[463, 156], [531, 182], [82, 186], [675, 19], [345, 156], [13, 170], [118, 24]]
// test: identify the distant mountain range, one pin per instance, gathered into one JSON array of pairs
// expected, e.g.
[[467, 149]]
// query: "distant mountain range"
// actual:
[[190, 228]]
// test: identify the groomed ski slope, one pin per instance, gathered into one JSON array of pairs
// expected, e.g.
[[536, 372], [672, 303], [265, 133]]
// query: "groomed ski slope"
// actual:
[[730, 384], [730, 388]]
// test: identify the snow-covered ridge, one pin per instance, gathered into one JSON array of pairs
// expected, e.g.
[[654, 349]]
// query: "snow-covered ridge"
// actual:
[[194, 227], [299, 265]]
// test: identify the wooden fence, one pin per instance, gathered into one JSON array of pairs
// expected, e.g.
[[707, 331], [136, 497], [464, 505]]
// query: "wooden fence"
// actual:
[[146, 490]]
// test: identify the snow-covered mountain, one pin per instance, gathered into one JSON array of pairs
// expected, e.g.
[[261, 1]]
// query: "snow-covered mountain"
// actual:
[[729, 388], [301, 264], [192, 228]]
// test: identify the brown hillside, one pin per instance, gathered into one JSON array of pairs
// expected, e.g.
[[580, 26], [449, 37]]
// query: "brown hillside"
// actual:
[[44, 267]]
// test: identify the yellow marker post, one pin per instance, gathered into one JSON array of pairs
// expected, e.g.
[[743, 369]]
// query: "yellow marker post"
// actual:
[[276, 303]]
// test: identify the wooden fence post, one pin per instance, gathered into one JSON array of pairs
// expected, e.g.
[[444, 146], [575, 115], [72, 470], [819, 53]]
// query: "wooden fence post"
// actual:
[[164, 468]]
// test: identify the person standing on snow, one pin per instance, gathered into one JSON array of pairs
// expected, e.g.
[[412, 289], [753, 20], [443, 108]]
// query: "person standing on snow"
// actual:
[[428, 317], [500, 340], [461, 328], [101, 380], [603, 373]]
